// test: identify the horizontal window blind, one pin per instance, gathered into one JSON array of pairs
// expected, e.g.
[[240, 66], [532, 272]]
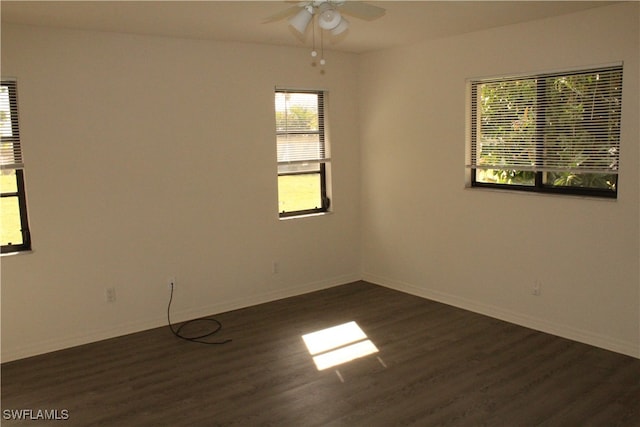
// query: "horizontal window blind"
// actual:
[[300, 127], [556, 122], [10, 149]]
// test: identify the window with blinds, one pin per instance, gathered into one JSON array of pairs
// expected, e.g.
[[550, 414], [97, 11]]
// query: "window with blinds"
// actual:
[[555, 132], [14, 229], [301, 151]]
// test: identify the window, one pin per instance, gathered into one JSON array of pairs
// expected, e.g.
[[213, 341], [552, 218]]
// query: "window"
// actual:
[[302, 152], [555, 132], [14, 230]]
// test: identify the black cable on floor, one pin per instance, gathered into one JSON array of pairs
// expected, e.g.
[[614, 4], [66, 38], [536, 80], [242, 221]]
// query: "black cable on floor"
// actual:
[[198, 338]]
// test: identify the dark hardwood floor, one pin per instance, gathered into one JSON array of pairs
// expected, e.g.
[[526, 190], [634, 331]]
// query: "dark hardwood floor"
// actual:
[[436, 365]]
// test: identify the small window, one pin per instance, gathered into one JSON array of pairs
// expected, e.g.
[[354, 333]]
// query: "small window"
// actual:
[[14, 229], [302, 152], [556, 132]]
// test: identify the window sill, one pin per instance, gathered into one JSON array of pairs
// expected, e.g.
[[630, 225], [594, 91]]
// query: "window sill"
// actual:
[[539, 193], [311, 215], [11, 254]]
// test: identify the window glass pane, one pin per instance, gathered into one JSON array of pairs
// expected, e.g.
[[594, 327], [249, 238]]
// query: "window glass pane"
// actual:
[[286, 169], [296, 112], [299, 147], [582, 121], [299, 192], [581, 115], [10, 230], [507, 125], [511, 177], [5, 112], [8, 182], [585, 180]]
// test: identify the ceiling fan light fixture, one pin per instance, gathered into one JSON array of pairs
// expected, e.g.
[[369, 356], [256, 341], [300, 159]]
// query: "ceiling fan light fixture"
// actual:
[[329, 17], [341, 27], [301, 20]]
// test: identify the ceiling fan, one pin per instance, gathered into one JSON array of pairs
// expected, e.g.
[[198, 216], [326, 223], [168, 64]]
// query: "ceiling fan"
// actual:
[[329, 17], [328, 13]]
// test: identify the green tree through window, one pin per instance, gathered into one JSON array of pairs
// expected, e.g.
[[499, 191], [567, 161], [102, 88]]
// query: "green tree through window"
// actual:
[[556, 132]]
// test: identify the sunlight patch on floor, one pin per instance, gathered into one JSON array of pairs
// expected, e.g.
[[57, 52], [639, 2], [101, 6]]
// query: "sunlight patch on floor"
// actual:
[[338, 344]]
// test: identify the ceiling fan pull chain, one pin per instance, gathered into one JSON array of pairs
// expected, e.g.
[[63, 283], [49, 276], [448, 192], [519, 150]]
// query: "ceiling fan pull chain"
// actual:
[[314, 52], [322, 60]]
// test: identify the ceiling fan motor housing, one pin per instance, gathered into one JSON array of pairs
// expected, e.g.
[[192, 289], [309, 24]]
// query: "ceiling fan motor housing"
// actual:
[[328, 17]]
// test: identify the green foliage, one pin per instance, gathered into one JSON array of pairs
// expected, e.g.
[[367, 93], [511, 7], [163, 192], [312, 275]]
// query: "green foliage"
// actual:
[[508, 122], [298, 118], [586, 180], [506, 176], [574, 114]]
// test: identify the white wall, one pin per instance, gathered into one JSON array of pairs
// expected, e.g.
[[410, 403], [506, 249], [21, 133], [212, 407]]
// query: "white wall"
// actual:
[[152, 157], [424, 233]]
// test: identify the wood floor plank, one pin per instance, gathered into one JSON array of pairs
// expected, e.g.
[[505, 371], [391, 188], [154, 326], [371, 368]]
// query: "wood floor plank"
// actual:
[[435, 365]]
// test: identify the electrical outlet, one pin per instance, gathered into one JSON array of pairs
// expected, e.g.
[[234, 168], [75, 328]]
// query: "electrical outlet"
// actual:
[[275, 268], [535, 289], [171, 282], [110, 294]]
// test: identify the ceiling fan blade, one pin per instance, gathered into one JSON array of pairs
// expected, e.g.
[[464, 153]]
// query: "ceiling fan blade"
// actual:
[[282, 14], [362, 10]]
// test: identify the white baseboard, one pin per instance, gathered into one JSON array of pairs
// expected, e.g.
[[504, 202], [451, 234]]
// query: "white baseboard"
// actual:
[[564, 331], [587, 337], [60, 343]]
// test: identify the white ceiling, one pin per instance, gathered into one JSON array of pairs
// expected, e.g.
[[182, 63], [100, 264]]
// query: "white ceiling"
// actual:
[[405, 22]]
